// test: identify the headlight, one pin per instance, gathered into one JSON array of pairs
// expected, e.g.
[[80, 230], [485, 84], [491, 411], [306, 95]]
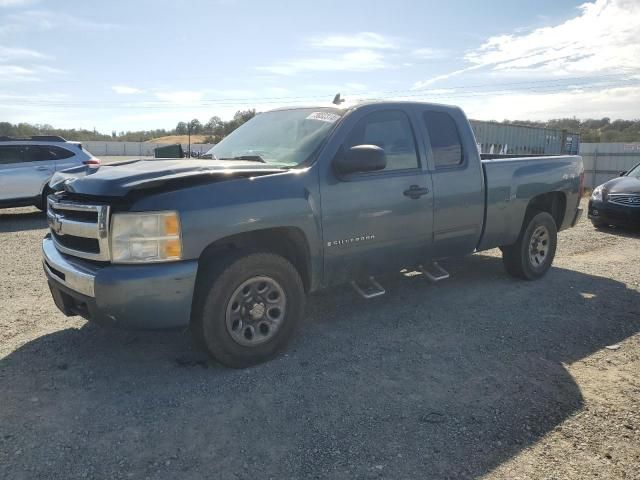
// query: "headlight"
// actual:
[[145, 237], [597, 194]]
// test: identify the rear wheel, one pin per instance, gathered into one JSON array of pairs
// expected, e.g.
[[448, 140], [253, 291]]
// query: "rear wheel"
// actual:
[[533, 253], [247, 308]]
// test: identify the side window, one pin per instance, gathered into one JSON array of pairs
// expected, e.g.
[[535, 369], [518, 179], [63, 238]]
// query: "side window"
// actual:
[[445, 139], [390, 130], [41, 153], [10, 154], [60, 153]]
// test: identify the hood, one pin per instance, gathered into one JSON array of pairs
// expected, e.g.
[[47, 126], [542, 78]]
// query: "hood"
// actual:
[[118, 179], [623, 185]]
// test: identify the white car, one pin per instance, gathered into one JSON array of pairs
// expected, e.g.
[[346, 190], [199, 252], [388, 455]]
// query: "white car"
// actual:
[[27, 165]]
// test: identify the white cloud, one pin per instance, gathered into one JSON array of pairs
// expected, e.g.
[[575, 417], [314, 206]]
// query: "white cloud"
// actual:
[[428, 53], [354, 52], [31, 73], [126, 90], [45, 20], [581, 67], [9, 53], [605, 35], [367, 40], [618, 102], [352, 61], [16, 3]]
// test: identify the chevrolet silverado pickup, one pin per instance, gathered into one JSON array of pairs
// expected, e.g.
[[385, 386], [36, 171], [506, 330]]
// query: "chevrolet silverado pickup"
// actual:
[[293, 201]]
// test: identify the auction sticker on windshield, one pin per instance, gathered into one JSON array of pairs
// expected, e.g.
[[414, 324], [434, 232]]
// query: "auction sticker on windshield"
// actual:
[[323, 116]]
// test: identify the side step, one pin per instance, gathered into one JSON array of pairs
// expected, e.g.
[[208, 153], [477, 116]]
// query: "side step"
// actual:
[[371, 290], [439, 275]]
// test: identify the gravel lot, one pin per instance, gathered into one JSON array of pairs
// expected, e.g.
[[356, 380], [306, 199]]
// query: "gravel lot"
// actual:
[[481, 376]]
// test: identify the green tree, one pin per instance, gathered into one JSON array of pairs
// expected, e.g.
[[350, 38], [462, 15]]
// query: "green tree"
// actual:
[[181, 128], [196, 126]]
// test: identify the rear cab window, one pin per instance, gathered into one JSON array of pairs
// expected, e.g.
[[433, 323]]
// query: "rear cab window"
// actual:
[[446, 144]]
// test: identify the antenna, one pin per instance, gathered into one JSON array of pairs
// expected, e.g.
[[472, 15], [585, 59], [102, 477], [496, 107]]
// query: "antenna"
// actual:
[[337, 100]]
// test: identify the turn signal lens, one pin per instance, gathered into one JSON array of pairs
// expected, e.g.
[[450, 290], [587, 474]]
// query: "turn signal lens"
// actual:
[[171, 225]]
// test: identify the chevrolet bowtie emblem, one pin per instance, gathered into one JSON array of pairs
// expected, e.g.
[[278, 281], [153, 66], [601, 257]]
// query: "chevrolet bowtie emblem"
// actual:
[[55, 223]]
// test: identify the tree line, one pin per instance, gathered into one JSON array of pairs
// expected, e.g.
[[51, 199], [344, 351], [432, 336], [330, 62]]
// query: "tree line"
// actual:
[[215, 129]]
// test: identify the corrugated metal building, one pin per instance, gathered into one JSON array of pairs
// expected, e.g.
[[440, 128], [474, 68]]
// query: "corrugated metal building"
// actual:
[[494, 137], [604, 161]]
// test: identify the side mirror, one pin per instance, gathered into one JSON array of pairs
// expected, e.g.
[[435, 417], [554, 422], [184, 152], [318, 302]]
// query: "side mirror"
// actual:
[[622, 174], [361, 158]]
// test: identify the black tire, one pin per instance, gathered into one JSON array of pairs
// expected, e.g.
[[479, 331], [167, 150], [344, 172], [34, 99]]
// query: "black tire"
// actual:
[[216, 286], [42, 203], [517, 258]]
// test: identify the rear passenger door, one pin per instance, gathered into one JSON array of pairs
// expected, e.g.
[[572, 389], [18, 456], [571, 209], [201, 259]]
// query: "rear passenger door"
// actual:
[[457, 175], [40, 165]]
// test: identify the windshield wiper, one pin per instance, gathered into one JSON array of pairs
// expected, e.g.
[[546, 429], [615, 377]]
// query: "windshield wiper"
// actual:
[[249, 158]]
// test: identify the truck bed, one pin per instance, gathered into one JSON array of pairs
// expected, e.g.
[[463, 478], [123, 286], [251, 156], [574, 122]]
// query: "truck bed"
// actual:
[[511, 184]]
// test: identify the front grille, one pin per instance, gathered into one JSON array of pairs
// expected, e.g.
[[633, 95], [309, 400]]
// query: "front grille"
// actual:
[[626, 199], [79, 229], [80, 244]]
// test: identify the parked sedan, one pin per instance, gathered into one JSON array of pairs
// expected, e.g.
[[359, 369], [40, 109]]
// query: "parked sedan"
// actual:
[[617, 202]]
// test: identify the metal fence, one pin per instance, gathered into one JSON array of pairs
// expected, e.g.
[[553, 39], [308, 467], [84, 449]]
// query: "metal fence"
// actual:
[[502, 138], [143, 149], [604, 161]]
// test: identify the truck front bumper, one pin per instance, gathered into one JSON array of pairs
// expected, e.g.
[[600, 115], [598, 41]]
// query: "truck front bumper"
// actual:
[[154, 296]]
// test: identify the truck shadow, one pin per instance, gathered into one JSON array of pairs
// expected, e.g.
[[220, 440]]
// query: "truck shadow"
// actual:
[[21, 219], [430, 381], [626, 232]]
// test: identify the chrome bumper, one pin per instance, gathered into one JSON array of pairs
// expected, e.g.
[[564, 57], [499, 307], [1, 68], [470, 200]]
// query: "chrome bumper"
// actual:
[[70, 273]]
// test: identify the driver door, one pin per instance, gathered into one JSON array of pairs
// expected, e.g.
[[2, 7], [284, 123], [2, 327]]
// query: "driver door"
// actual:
[[378, 221]]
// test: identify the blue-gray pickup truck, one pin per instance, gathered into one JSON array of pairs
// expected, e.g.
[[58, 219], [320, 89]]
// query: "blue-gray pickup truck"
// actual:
[[293, 201]]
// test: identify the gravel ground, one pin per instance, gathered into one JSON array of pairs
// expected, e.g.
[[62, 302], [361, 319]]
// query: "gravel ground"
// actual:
[[481, 376]]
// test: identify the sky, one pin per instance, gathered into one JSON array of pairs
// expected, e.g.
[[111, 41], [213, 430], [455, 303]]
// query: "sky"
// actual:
[[145, 64]]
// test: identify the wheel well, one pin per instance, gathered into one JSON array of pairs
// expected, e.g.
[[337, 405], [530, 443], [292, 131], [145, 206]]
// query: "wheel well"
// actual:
[[553, 203], [289, 242]]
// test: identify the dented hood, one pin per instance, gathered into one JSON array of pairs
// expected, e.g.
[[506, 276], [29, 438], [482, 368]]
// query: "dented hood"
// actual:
[[118, 179]]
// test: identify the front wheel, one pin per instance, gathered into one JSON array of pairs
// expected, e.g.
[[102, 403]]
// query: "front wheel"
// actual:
[[533, 253], [247, 308], [41, 204]]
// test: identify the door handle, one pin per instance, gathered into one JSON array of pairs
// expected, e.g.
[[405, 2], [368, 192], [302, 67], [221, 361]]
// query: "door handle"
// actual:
[[415, 192], [42, 168]]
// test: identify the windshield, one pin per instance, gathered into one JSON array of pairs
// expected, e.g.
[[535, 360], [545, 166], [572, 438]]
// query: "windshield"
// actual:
[[635, 172], [283, 137]]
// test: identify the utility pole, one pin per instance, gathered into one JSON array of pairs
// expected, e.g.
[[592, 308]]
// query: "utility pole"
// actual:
[[189, 134]]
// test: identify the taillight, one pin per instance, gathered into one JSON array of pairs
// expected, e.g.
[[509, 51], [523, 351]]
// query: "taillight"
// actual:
[[581, 191], [92, 161]]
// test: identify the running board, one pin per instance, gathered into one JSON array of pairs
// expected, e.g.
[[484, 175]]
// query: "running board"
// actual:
[[440, 273], [374, 289]]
